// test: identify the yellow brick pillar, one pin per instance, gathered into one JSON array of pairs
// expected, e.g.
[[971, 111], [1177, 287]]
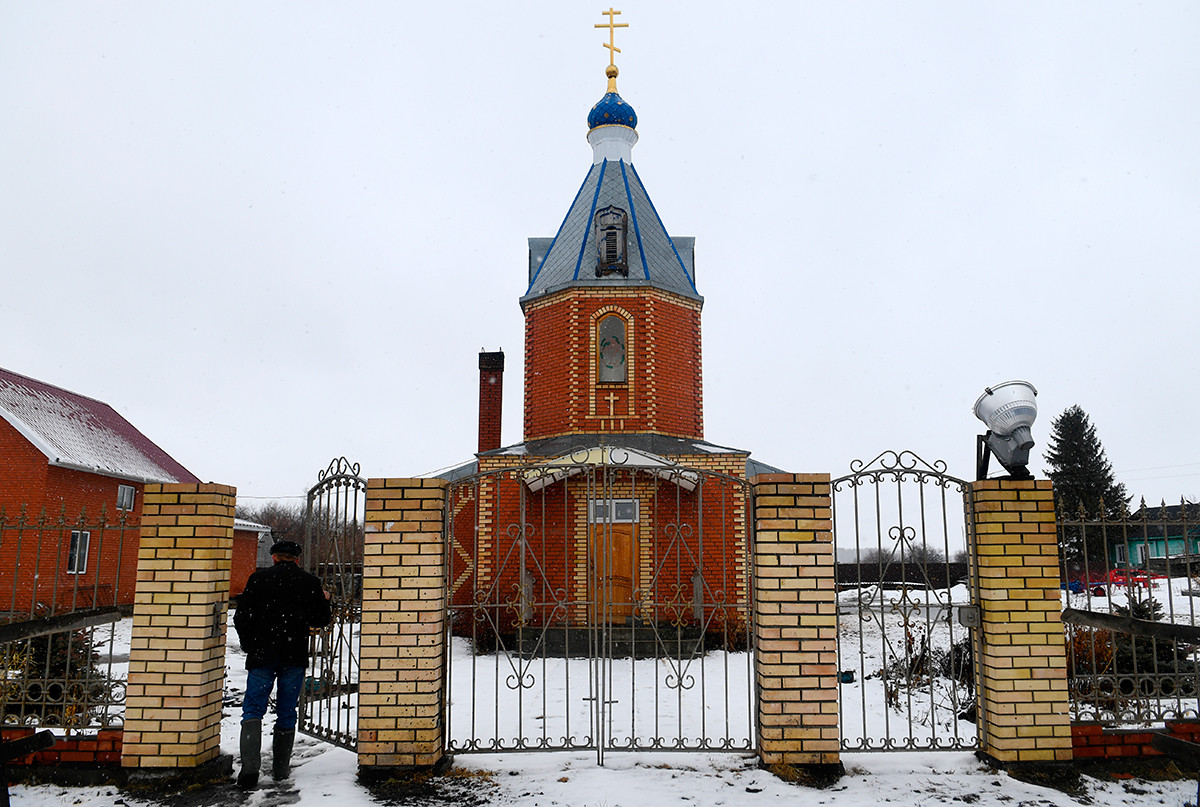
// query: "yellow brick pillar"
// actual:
[[1021, 671], [177, 655], [795, 620], [403, 636]]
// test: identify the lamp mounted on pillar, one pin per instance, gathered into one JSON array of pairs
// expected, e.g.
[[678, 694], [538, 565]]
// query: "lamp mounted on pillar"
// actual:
[[1008, 410]]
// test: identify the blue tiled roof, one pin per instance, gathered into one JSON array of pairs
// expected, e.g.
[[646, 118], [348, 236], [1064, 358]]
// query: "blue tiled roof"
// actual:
[[654, 258]]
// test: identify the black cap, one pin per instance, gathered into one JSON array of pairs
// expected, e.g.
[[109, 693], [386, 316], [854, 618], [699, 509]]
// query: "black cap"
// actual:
[[286, 548], [491, 361]]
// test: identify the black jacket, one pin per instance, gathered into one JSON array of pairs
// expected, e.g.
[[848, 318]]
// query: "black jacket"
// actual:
[[274, 615]]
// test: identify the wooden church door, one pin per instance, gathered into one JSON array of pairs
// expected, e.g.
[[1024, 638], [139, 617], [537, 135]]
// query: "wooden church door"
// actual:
[[612, 560]]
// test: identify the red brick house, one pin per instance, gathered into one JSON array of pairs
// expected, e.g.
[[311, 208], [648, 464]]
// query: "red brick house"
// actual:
[[251, 551], [72, 473], [622, 506]]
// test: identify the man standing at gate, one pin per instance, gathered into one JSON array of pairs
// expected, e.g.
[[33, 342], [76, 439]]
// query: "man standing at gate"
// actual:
[[274, 616]]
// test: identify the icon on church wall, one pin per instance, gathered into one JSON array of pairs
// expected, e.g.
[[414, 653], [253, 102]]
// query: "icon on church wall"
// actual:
[[610, 242], [611, 346]]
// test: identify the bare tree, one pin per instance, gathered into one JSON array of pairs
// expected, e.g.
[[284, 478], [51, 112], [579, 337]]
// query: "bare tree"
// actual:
[[285, 518]]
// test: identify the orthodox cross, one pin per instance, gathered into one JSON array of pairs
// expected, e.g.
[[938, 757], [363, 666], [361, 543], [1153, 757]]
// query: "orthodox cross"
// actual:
[[612, 25], [612, 403]]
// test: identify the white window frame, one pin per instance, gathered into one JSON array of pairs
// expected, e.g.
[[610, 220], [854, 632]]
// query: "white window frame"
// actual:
[[80, 540], [126, 494], [613, 511]]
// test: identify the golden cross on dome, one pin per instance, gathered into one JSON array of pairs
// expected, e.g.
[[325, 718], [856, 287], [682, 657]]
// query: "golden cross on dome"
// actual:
[[612, 25]]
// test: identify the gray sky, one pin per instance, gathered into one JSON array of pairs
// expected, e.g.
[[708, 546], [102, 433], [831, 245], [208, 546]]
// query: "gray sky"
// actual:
[[273, 233]]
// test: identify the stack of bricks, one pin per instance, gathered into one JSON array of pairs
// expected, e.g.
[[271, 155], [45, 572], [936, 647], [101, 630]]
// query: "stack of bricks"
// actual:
[[1097, 741], [177, 656], [795, 620], [403, 637], [93, 750], [1021, 670]]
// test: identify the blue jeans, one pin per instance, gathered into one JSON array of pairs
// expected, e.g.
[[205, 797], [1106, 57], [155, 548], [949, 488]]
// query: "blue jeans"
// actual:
[[258, 688]]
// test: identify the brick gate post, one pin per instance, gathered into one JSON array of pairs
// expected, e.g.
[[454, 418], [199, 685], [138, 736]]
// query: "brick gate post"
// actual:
[[795, 620], [403, 634], [1021, 671], [177, 655]]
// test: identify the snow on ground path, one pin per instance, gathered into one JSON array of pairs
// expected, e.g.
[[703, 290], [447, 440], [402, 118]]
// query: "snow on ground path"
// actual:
[[327, 776], [630, 780]]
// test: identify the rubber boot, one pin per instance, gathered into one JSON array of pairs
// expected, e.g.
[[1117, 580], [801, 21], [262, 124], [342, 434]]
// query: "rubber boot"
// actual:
[[251, 749], [281, 753]]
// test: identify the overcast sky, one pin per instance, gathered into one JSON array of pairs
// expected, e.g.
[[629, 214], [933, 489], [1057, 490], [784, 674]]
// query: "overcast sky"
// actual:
[[273, 233]]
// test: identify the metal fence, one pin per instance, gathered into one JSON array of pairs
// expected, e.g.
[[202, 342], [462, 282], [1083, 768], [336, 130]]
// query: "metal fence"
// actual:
[[1131, 581], [333, 551], [63, 646], [904, 656], [599, 603]]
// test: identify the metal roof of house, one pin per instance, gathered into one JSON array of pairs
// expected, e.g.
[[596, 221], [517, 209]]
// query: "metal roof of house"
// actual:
[[78, 432], [250, 526], [653, 257]]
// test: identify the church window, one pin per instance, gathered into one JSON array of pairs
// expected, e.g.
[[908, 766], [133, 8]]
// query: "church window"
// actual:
[[610, 344], [611, 227], [613, 511]]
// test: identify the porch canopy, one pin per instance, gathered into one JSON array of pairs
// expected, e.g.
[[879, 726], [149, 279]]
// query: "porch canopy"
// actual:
[[615, 457]]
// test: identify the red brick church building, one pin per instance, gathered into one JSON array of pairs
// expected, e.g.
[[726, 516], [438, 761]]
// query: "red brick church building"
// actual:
[[621, 509]]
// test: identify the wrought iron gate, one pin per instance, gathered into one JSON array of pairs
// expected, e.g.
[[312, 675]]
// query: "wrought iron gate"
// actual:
[[904, 597], [333, 551], [599, 601]]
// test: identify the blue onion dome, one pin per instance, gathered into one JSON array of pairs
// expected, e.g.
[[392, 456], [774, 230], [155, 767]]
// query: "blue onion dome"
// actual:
[[611, 110]]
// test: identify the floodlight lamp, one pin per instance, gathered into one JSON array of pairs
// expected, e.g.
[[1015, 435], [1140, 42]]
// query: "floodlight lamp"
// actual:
[[1008, 410]]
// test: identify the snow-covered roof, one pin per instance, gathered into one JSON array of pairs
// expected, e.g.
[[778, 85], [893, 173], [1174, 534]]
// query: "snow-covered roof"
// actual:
[[75, 431], [250, 526]]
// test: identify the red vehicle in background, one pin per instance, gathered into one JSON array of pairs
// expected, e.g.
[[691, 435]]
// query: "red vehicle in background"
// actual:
[[1133, 577], [1099, 584]]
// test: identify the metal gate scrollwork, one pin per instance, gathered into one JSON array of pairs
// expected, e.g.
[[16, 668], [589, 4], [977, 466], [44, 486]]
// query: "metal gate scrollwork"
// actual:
[[333, 551], [904, 590], [599, 601]]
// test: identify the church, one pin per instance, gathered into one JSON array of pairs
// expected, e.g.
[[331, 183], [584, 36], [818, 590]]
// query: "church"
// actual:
[[614, 508]]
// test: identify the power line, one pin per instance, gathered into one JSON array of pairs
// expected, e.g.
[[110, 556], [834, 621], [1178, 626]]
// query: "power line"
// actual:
[[1168, 476], [1161, 467]]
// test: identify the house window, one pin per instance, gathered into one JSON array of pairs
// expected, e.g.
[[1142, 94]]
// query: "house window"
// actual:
[[77, 557], [610, 347], [610, 226], [1119, 551], [613, 511], [125, 497]]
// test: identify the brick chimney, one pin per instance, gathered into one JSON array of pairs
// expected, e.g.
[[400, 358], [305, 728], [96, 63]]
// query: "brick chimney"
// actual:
[[491, 398]]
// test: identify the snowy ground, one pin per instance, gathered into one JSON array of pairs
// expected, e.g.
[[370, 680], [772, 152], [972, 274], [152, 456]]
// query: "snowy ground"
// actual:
[[325, 774]]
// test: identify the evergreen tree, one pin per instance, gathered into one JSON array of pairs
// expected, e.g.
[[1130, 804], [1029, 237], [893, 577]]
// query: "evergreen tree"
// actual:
[[1083, 482]]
